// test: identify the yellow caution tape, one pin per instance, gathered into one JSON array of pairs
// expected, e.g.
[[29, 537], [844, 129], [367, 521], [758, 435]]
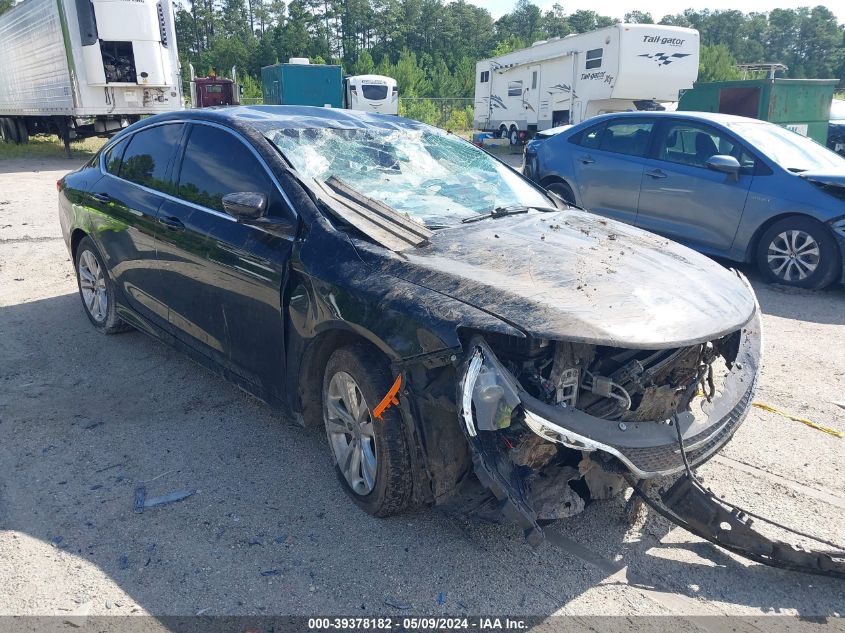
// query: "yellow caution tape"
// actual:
[[810, 423]]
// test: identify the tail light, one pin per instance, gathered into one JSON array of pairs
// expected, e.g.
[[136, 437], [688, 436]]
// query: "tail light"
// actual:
[[59, 184]]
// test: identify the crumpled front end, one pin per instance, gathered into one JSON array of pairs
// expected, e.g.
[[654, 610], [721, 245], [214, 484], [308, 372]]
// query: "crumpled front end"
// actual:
[[554, 424]]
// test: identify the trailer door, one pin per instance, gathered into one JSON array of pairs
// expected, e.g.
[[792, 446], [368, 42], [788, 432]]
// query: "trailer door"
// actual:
[[532, 95]]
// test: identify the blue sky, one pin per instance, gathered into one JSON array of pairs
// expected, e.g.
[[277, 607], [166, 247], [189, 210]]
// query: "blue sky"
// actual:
[[659, 8]]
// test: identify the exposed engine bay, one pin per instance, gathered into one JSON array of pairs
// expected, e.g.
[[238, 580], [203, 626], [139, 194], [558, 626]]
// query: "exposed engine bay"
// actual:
[[557, 424]]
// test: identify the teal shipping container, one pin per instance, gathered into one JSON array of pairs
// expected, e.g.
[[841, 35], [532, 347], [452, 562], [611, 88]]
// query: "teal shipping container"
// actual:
[[302, 84]]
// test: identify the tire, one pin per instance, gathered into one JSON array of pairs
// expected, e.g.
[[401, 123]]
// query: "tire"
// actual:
[[800, 252], [563, 190], [9, 130], [23, 133], [379, 442], [96, 289], [514, 136], [503, 132]]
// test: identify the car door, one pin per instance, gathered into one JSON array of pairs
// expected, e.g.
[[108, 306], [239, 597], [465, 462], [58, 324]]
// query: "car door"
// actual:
[[685, 200], [224, 278], [608, 165], [126, 200]]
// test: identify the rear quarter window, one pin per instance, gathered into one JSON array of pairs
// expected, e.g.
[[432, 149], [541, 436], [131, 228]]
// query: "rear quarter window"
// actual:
[[114, 156]]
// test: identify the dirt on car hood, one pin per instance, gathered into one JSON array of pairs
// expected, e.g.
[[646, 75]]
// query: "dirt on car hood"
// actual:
[[575, 276]]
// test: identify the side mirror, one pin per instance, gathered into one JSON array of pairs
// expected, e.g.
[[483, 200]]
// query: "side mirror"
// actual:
[[250, 208], [245, 205], [725, 164]]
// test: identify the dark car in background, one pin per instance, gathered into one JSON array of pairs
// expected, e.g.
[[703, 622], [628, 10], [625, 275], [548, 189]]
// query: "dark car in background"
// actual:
[[465, 339], [836, 128], [728, 186]]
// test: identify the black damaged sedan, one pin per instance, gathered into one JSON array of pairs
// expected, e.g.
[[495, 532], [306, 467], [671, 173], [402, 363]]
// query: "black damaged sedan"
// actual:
[[465, 338]]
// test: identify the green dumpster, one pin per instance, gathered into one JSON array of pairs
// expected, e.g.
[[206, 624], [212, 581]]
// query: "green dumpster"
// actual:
[[302, 84], [801, 105]]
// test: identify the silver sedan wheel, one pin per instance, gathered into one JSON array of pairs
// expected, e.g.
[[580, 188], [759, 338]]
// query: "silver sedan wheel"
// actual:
[[92, 284], [793, 255], [349, 426]]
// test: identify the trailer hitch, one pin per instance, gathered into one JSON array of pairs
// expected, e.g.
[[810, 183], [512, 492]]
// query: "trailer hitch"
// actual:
[[690, 505]]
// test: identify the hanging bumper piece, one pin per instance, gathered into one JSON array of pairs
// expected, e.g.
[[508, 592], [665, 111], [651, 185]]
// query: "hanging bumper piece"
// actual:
[[690, 505]]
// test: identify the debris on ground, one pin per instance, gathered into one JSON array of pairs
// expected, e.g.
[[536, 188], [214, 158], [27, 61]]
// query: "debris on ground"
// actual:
[[141, 502], [397, 604], [810, 423]]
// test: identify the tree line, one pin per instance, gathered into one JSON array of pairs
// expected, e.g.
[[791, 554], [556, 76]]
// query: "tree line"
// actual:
[[430, 46]]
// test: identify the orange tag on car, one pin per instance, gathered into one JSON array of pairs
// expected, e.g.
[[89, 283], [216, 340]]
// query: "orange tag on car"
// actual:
[[389, 399]]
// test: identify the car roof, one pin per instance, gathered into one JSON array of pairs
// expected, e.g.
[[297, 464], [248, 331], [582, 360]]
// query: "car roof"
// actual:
[[278, 117], [712, 117]]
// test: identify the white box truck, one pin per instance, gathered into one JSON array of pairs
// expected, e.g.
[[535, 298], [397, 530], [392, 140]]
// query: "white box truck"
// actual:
[[566, 80], [81, 68]]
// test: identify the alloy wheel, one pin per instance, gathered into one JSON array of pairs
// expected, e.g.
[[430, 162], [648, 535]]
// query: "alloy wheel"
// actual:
[[92, 285], [349, 426], [793, 255]]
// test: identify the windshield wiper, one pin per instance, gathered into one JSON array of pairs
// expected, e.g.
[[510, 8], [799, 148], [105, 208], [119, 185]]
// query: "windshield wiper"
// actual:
[[500, 212]]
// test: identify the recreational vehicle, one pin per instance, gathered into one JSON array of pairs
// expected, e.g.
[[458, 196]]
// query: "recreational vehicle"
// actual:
[[566, 80], [372, 93]]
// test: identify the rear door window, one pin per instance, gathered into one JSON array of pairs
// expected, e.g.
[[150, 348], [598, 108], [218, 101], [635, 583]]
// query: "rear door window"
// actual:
[[215, 164], [590, 137], [148, 157], [627, 137]]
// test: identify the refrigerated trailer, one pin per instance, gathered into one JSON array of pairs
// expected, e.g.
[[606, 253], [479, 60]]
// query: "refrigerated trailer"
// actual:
[[566, 80], [81, 68]]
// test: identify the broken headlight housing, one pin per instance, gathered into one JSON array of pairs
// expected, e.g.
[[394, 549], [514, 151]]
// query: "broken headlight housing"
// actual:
[[488, 393]]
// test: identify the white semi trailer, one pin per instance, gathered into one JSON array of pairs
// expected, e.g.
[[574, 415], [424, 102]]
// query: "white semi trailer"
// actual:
[[566, 80], [81, 68]]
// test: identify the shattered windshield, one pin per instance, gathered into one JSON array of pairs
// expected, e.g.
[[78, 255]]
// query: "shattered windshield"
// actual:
[[436, 179]]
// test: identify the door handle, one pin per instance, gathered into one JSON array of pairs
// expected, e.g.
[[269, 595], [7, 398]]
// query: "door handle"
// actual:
[[172, 223], [657, 173], [587, 160], [101, 197]]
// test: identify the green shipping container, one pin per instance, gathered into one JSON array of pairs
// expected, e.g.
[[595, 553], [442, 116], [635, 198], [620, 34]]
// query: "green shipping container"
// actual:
[[302, 84], [801, 105]]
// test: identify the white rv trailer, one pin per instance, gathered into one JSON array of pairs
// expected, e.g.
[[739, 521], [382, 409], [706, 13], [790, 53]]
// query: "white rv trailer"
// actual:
[[566, 80], [372, 93], [86, 67]]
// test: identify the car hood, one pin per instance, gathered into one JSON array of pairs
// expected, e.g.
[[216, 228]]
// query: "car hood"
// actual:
[[571, 275], [826, 178]]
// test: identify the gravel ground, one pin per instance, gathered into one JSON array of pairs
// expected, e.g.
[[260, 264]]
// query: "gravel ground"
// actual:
[[85, 419]]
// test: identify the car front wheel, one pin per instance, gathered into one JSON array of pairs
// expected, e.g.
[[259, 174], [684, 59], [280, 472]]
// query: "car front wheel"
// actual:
[[96, 289], [370, 455], [800, 252], [563, 190]]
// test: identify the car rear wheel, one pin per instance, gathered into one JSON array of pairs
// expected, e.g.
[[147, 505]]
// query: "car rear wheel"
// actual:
[[514, 136], [370, 455], [800, 252], [96, 289]]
